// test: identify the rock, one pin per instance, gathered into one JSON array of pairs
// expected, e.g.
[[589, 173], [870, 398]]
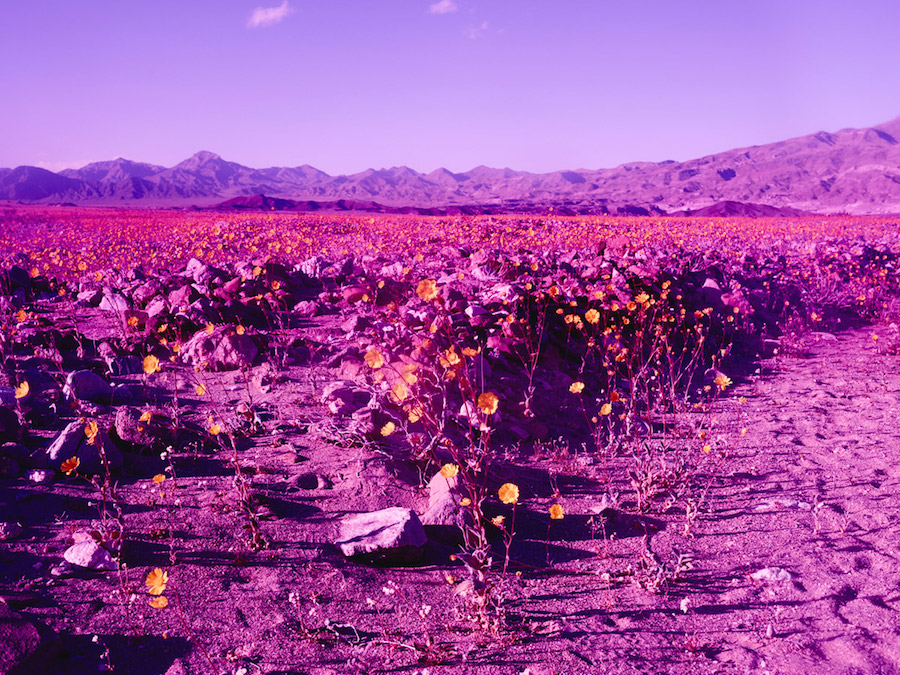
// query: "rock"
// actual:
[[9, 468], [15, 451], [771, 574], [113, 302], [86, 385], [124, 365], [444, 502], [41, 476], [393, 535], [26, 646], [9, 531], [90, 555], [131, 429], [342, 398], [223, 349], [72, 442], [307, 308], [355, 293], [355, 324], [10, 426]]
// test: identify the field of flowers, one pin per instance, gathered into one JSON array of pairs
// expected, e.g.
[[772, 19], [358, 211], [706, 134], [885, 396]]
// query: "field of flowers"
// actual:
[[518, 395]]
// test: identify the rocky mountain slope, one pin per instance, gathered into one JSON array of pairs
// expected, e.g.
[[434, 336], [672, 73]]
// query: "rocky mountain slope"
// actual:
[[853, 171]]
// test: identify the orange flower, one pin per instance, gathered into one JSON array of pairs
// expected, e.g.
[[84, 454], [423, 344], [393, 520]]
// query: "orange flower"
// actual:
[[576, 387], [156, 581], [159, 602], [69, 466], [151, 364], [91, 430], [427, 289], [388, 429], [159, 478], [449, 470], [556, 512], [592, 316], [508, 493], [723, 382], [22, 390], [374, 359], [488, 403], [605, 409]]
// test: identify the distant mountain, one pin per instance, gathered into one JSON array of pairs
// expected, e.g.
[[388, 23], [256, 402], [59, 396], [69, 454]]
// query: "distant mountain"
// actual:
[[852, 171]]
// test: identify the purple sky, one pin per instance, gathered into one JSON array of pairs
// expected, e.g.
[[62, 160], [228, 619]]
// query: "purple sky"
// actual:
[[346, 85]]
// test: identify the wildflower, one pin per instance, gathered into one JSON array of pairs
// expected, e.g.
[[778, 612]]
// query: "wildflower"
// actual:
[[465, 501], [427, 289], [159, 602], [91, 430], [576, 387], [508, 493], [497, 521], [215, 430], [641, 298], [146, 416], [449, 470], [200, 389], [707, 448], [592, 316], [22, 390], [151, 364], [557, 512], [605, 409], [723, 382], [159, 478], [156, 581], [399, 392], [240, 330], [488, 403], [388, 429], [69, 466], [374, 359]]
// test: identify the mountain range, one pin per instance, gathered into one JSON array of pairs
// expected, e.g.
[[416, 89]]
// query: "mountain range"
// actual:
[[849, 171]]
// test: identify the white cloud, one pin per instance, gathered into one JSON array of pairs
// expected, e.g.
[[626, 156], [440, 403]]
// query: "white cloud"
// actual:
[[443, 7], [475, 32], [268, 16]]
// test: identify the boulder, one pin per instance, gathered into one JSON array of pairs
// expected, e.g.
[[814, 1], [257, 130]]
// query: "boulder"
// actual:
[[90, 555], [223, 349], [393, 535], [113, 302], [86, 385], [26, 646], [72, 442], [444, 503], [130, 428]]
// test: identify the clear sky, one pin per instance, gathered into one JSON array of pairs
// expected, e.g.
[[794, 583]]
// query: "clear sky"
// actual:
[[346, 85]]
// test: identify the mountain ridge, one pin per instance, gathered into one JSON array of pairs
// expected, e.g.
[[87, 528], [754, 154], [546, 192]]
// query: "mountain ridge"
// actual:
[[851, 170]]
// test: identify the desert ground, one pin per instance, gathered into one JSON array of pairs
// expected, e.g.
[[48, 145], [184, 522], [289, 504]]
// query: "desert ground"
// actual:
[[285, 443]]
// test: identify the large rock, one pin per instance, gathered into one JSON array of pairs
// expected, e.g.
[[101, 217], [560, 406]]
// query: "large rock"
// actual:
[[223, 349], [156, 431], [10, 427], [25, 646], [72, 442], [86, 385], [114, 302], [90, 555], [444, 499], [393, 535]]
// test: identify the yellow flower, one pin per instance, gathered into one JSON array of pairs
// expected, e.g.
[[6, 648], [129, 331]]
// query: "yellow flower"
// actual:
[[488, 403], [91, 430], [508, 493], [427, 289], [132, 321], [641, 298], [156, 581], [707, 448], [592, 316], [399, 392], [70, 465], [159, 602], [240, 330], [465, 501], [388, 429], [146, 416], [200, 389], [215, 430], [470, 351], [576, 387], [151, 364], [22, 390], [159, 478], [605, 409], [374, 359], [449, 470], [723, 382], [556, 512], [498, 521]]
